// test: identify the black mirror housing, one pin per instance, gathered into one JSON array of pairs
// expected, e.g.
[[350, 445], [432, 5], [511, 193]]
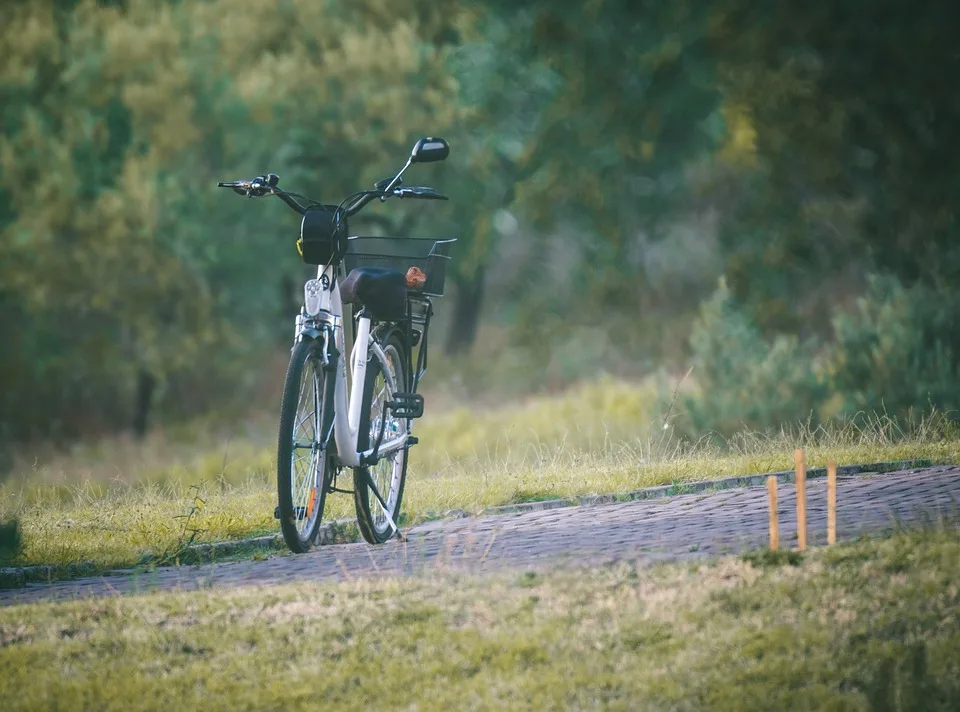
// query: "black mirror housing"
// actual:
[[429, 150]]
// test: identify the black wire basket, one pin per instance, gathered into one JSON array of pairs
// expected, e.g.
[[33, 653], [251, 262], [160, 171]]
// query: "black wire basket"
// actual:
[[402, 253]]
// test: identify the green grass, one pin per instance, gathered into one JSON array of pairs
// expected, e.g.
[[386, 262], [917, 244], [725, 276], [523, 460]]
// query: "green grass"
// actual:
[[870, 625], [114, 501]]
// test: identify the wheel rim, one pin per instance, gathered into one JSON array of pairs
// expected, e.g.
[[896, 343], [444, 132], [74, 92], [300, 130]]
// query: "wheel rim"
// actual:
[[386, 473], [306, 463]]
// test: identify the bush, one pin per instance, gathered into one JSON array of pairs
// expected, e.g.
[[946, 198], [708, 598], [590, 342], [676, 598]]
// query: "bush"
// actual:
[[891, 353], [743, 380]]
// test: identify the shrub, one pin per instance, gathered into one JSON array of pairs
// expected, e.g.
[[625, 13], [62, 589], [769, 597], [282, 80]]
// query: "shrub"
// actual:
[[892, 351], [743, 380]]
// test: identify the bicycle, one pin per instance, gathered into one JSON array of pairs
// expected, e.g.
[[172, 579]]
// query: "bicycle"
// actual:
[[327, 425]]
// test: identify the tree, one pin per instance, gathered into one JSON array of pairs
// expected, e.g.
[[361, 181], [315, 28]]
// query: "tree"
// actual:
[[855, 116], [123, 271], [589, 114]]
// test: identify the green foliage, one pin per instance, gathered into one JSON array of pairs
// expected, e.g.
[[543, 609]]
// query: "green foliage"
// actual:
[[584, 133], [11, 540], [890, 352], [763, 558], [602, 161], [893, 350], [742, 379], [117, 256], [852, 177]]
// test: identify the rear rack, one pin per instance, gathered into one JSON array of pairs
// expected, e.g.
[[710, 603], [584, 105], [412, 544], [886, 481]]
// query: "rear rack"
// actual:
[[400, 254], [419, 313]]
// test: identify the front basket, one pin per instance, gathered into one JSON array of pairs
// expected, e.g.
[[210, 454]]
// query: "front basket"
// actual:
[[402, 253]]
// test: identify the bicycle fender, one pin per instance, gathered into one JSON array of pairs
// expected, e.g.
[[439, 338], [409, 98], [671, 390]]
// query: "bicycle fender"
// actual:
[[333, 353], [315, 334], [385, 332]]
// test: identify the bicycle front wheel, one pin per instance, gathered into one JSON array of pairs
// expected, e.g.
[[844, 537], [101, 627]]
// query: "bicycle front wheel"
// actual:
[[304, 463], [384, 378]]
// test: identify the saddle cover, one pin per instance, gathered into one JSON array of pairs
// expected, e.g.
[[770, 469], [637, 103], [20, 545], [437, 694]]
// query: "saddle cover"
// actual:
[[380, 290]]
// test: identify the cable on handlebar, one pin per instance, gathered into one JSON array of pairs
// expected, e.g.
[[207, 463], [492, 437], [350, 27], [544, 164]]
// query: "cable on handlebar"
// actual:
[[359, 199]]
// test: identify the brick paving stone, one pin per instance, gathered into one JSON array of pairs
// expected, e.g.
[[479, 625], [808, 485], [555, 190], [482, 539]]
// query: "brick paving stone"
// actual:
[[644, 531]]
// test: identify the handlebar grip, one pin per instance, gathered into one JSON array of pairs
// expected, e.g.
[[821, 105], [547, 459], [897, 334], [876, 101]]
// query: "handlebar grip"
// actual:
[[422, 192], [429, 194]]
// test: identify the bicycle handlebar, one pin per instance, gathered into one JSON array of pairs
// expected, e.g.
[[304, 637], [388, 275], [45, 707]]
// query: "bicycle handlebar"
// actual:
[[265, 185]]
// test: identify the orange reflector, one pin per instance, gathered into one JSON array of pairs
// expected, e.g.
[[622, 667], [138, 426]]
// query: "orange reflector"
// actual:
[[311, 502]]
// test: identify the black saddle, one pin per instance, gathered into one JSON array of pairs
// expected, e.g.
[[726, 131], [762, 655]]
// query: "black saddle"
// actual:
[[381, 291]]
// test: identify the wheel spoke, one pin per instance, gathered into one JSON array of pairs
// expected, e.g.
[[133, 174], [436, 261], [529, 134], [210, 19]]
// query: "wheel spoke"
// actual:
[[386, 475], [304, 468], [303, 461], [303, 490]]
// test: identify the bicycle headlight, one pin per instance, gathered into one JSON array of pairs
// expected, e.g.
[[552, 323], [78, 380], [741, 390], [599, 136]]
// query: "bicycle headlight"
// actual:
[[311, 296]]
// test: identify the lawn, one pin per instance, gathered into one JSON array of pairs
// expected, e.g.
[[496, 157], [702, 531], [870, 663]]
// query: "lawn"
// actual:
[[873, 624], [115, 501]]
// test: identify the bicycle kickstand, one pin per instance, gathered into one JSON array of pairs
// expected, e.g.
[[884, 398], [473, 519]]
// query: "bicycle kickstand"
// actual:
[[383, 506]]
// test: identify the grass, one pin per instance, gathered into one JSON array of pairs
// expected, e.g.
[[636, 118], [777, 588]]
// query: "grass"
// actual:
[[873, 625], [113, 502]]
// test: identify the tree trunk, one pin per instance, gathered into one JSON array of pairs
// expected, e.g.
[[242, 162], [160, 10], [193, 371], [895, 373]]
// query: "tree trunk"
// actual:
[[289, 297], [145, 387], [466, 313]]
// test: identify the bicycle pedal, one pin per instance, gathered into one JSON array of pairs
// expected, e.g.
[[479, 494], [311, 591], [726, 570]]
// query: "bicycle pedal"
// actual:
[[407, 405]]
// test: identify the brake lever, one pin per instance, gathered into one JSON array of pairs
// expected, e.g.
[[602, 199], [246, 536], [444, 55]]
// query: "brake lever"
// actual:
[[261, 186]]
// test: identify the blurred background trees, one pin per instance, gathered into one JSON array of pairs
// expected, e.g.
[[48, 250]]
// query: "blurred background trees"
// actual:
[[611, 160]]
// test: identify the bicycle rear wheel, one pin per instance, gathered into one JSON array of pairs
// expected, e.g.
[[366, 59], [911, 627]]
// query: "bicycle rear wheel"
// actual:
[[304, 464], [383, 379]]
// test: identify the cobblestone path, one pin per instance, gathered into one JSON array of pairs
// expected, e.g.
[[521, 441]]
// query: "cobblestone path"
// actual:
[[678, 527]]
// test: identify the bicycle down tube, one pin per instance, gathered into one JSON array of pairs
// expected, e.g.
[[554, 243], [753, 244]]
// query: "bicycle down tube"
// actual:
[[347, 410]]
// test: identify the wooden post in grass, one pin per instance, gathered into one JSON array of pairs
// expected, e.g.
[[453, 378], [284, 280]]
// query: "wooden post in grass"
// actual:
[[801, 481], [774, 517], [831, 502]]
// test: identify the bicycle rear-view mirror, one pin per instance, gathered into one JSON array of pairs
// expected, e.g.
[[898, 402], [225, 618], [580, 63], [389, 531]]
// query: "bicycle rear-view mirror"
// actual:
[[429, 150]]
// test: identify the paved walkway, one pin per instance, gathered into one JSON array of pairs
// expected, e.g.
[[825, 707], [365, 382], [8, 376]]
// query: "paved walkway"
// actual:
[[679, 527]]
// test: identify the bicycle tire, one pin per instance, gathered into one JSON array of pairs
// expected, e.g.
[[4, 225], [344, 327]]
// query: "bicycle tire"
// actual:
[[373, 525], [308, 499]]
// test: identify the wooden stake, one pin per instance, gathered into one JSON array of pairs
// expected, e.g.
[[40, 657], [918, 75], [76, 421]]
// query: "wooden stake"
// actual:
[[831, 502], [801, 480], [774, 515]]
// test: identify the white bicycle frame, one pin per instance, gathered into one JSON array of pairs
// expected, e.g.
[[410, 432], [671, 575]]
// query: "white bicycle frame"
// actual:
[[323, 305]]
